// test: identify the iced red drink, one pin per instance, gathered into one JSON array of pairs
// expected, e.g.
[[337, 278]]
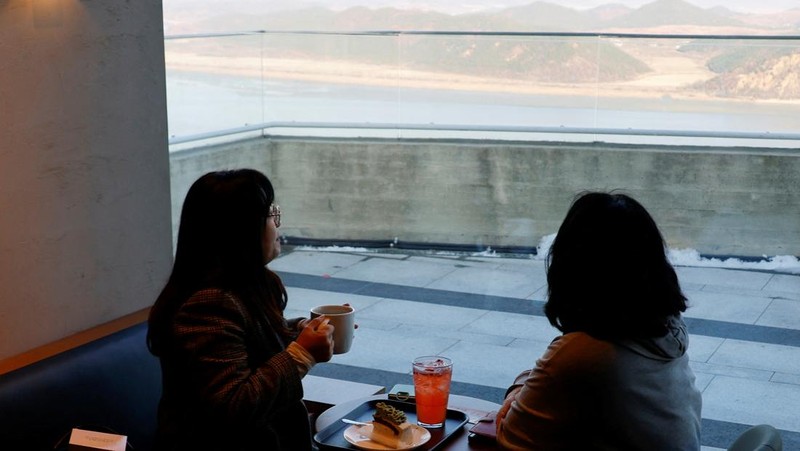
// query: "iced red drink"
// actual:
[[432, 376]]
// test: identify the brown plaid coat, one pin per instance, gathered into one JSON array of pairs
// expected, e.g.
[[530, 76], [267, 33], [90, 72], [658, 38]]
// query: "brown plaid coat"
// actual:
[[228, 383]]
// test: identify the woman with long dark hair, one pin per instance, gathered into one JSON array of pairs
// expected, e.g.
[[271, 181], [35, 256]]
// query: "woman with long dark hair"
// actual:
[[231, 363], [618, 377]]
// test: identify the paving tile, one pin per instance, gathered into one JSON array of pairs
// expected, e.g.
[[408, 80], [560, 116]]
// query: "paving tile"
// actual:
[[369, 323], [535, 348], [396, 272], [421, 314], [514, 325], [292, 313], [392, 255], [725, 306], [431, 316], [702, 380], [315, 263], [530, 267], [781, 313], [723, 277], [480, 256], [731, 371], [390, 350], [759, 356], [734, 290], [306, 299], [493, 339], [784, 378], [752, 402], [788, 285], [701, 348], [493, 366], [457, 262], [752, 292], [489, 281], [527, 266], [539, 295], [692, 287]]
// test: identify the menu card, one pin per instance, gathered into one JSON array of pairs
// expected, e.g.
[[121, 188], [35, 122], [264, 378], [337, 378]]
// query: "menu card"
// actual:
[[81, 440]]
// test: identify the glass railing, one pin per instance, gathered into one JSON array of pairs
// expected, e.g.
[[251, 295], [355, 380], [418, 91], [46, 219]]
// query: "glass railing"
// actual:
[[659, 89]]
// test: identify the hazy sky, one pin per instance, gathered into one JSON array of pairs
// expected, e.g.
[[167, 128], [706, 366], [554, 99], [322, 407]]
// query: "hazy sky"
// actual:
[[755, 6], [463, 6]]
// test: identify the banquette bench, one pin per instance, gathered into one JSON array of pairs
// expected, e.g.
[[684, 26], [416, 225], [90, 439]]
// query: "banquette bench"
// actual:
[[112, 384]]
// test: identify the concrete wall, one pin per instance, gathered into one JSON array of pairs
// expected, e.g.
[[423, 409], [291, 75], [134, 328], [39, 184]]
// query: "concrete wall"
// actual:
[[741, 202], [84, 167], [719, 201]]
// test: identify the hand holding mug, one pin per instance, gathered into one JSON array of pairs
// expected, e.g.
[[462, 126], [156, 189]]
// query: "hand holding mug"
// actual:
[[317, 338]]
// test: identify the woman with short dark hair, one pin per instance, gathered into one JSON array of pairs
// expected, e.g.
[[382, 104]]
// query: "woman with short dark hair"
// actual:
[[231, 363], [618, 377]]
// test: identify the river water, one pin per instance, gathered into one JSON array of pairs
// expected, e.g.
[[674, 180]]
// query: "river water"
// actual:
[[200, 103]]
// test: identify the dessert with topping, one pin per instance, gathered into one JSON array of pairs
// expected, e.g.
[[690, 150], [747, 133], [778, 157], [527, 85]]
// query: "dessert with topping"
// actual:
[[390, 428]]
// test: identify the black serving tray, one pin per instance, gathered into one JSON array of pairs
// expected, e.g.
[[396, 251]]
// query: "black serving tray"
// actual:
[[332, 437]]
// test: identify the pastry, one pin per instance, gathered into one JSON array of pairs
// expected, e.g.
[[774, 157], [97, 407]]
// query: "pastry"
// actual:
[[390, 428]]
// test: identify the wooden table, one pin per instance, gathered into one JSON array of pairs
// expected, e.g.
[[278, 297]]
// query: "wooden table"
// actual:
[[473, 407]]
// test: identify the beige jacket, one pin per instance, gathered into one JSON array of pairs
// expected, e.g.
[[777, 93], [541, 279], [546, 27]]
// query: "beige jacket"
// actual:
[[590, 394]]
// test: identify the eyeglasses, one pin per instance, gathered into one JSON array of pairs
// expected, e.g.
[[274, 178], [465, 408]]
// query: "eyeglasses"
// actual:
[[275, 212]]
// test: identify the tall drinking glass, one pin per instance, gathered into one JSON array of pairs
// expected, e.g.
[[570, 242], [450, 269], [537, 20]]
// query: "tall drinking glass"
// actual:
[[432, 376]]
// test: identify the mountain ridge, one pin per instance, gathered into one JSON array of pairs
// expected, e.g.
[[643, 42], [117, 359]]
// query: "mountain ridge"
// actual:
[[541, 15]]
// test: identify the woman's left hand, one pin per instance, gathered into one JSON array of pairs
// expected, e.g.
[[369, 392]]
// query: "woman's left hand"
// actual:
[[317, 338]]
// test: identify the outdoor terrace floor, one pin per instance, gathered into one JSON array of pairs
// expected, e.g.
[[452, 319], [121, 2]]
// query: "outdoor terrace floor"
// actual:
[[486, 314]]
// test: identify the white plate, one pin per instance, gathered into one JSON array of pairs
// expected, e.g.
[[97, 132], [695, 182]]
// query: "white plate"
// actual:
[[358, 436]]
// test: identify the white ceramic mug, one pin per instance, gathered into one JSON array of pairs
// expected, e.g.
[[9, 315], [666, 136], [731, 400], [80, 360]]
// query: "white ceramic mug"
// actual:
[[343, 319]]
